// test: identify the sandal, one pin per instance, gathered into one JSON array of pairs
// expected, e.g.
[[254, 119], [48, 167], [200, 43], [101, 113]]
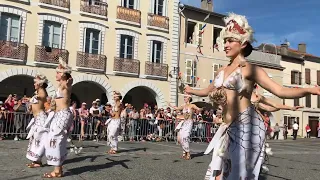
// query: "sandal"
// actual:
[[52, 175], [187, 157], [34, 165], [183, 155], [112, 152]]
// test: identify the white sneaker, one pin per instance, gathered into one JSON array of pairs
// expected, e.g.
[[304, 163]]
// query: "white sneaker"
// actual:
[[16, 138]]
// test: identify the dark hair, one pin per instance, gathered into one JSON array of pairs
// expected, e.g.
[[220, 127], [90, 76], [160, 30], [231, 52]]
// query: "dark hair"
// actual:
[[190, 99], [120, 97], [66, 76], [247, 50], [44, 85]]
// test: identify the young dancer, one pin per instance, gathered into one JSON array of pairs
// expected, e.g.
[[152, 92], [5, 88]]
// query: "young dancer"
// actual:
[[241, 145], [114, 123], [184, 127], [38, 129], [56, 145]]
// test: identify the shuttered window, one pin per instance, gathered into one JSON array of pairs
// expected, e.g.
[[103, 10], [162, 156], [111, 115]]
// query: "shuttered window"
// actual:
[[296, 102], [216, 67], [191, 72], [307, 76], [296, 77], [308, 101]]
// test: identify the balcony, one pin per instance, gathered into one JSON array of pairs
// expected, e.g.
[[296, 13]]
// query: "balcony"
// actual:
[[13, 51], [91, 62], [47, 56], [156, 70], [128, 16], [63, 5], [156, 22], [94, 8], [128, 67]]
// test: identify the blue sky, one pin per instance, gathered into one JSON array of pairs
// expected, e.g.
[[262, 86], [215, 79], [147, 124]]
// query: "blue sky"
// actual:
[[276, 20]]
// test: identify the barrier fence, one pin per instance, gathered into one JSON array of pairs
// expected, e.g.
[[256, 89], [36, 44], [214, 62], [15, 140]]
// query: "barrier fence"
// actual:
[[14, 124]]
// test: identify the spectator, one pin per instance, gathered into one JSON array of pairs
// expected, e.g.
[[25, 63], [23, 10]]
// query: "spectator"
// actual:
[[3, 117], [276, 131], [285, 131], [19, 117], [47, 105], [96, 114], [84, 114], [133, 119], [295, 130], [308, 130]]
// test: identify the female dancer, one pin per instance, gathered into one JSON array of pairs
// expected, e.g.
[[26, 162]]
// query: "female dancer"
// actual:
[[241, 145], [114, 123], [56, 150], [185, 126], [38, 131]]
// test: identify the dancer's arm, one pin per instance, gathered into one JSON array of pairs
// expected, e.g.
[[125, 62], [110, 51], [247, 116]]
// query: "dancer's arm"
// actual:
[[277, 106], [196, 107], [258, 75], [175, 107]]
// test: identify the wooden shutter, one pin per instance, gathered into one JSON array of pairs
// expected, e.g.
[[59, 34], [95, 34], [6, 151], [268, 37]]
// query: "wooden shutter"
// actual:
[[296, 102], [297, 120], [318, 78], [194, 73], [189, 72], [286, 120], [299, 78], [292, 77], [307, 76], [308, 101]]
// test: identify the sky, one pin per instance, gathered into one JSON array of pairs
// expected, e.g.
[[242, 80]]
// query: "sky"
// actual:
[[274, 21]]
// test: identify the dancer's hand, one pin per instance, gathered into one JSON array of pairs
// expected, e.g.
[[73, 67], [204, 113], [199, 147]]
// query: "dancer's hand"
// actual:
[[296, 107], [188, 89]]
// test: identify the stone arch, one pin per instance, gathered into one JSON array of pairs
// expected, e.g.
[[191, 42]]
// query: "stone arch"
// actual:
[[98, 81], [160, 98], [28, 72]]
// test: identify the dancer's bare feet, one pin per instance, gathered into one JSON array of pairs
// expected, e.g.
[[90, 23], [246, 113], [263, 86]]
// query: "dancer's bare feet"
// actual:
[[34, 165]]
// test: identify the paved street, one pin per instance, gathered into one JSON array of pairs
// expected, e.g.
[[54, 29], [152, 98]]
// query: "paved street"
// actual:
[[158, 161]]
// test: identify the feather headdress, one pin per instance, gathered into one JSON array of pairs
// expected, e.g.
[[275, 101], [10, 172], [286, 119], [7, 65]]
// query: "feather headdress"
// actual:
[[63, 67], [116, 94], [237, 27], [40, 79]]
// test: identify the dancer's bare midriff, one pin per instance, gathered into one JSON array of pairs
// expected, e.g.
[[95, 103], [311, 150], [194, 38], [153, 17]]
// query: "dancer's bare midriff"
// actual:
[[235, 105], [37, 108], [63, 103], [116, 115]]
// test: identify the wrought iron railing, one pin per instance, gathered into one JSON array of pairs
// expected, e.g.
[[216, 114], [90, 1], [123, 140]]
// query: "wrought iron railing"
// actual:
[[13, 50], [94, 7], [60, 3], [128, 14], [93, 61], [126, 65], [50, 55], [156, 69], [158, 21]]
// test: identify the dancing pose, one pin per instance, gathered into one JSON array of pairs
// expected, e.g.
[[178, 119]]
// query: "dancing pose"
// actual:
[[114, 123], [38, 127], [241, 144], [56, 150], [185, 126]]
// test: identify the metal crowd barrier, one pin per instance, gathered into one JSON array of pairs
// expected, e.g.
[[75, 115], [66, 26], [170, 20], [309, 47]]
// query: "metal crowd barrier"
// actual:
[[94, 128]]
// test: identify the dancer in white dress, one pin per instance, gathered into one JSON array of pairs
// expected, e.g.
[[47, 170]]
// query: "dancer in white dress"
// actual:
[[56, 145], [114, 123], [242, 144], [37, 126], [184, 127]]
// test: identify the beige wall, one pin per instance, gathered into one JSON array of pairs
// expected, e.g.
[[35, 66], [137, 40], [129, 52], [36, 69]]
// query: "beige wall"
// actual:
[[108, 80]]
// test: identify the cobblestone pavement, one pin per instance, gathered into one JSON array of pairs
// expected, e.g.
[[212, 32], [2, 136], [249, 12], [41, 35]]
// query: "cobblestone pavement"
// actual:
[[158, 161]]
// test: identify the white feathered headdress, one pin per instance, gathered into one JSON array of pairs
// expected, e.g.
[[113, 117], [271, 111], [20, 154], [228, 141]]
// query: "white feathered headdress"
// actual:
[[237, 27], [116, 94], [40, 79], [63, 67]]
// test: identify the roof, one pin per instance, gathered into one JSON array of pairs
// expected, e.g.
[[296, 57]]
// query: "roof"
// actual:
[[192, 8], [292, 53]]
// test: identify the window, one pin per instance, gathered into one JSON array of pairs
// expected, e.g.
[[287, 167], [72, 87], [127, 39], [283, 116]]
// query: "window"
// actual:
[[94, 2], [308, 100], [190, 32], [92, 41], [296, 77], [51, 34], [216, 67], [158, 7], [128, 4], [291, 121], [191, 72], [307, 76], [156, 51], [126, 47], [216, 34], [10, 27], [200, 34], [296, 102]]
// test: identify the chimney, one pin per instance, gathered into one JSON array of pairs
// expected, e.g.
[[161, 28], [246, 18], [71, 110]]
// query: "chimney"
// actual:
[[207, 5], [302, 48], [284, 49]]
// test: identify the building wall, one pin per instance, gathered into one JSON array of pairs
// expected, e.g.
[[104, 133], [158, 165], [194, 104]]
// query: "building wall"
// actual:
[[74, 22]]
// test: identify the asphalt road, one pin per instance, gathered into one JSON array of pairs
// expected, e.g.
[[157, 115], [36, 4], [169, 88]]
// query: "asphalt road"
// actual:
[[298, 160]]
